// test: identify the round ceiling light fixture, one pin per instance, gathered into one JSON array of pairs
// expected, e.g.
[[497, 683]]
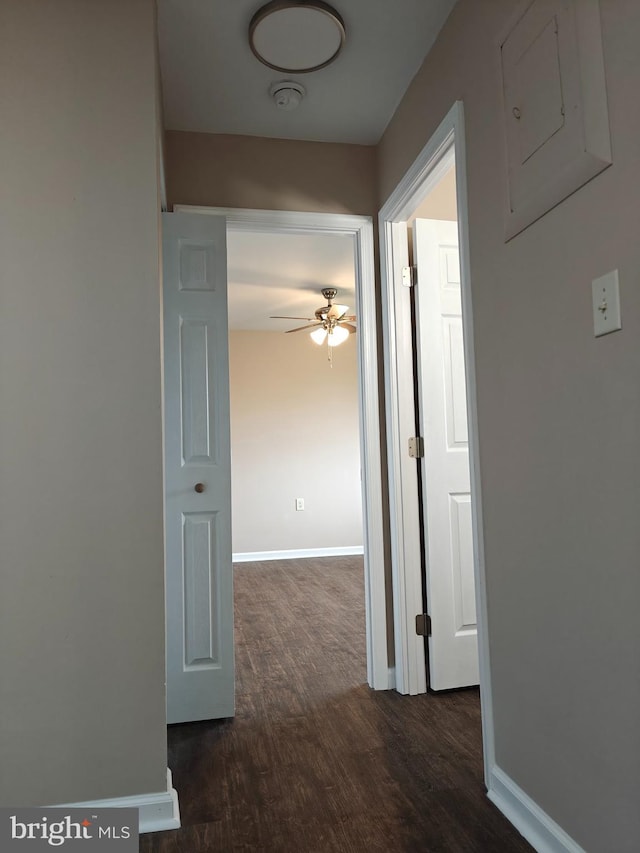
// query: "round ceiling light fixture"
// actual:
[[296, 36]]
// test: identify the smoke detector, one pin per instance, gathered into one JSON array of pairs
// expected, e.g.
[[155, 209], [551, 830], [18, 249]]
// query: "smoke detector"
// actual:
[[287, 94]]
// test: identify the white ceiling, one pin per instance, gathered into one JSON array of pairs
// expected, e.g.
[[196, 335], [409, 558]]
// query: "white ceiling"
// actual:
[[213, 83], [283, 274]]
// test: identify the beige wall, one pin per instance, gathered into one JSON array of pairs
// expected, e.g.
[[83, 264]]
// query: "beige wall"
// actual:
[[559, 423], [270, 174], [81, 606], [441, 201], [294, 433]]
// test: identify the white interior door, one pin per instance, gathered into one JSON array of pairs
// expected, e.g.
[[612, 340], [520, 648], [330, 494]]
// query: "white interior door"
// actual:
[[199, 579], [451, 603]]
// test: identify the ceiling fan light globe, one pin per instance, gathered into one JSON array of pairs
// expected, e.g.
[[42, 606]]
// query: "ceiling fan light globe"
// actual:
[[337, 336], [318, 336]]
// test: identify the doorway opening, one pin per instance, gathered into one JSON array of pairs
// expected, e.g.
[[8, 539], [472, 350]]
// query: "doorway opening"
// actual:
[[297, 533], [433, 371], [359, 230], [295, 437]]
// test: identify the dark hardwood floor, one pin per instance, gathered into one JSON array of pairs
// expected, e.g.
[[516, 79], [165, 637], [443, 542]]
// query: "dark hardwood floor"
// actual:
[[315, 761]]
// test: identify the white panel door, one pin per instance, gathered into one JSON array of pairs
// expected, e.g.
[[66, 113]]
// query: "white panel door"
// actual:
[[453, 645], [199, 579]]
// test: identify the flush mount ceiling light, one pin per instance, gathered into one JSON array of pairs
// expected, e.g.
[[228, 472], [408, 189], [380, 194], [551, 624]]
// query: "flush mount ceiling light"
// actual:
[[296, 37]]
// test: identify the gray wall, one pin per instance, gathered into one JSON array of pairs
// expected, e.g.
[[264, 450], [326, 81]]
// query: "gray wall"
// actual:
[[81, 557], [559, 420]]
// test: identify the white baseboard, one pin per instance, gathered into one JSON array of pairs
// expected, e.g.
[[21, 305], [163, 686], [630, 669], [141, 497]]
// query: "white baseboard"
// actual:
[[529, 819], [158, 811], [260, 556]]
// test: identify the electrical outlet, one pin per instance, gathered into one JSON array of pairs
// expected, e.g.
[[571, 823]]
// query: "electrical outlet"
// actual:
[[299, 504]]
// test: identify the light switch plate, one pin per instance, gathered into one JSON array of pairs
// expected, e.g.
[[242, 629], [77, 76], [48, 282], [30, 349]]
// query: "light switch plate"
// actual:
[[606, 304]]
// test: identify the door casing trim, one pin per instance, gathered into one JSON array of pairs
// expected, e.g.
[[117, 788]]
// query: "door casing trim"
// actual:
[[410, 669], [379, 675]]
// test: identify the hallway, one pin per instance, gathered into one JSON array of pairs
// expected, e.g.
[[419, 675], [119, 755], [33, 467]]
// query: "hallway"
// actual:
[[314, 761]]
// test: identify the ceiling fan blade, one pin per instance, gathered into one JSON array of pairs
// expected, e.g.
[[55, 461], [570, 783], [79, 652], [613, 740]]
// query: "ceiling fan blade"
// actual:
[[278, 317], [337, 310], [348, 317], [351, 329], [300, 328]]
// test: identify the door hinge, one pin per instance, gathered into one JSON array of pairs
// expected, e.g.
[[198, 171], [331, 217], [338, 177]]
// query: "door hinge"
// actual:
[[416, 447], [409, 276], [423, 625]]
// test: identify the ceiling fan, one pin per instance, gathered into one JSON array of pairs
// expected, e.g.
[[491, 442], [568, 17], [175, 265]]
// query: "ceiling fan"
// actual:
[[332, 322]]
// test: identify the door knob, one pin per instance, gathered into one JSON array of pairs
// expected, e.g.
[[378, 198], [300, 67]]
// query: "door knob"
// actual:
[[199, 487]]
